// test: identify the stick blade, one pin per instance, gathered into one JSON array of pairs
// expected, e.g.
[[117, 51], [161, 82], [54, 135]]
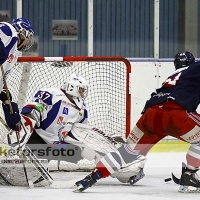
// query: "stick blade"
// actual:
[[175, 179]]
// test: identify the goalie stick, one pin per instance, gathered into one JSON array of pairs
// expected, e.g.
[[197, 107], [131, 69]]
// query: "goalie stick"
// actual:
[[45, 174], [53, 184], [35, 162], [5, 180]]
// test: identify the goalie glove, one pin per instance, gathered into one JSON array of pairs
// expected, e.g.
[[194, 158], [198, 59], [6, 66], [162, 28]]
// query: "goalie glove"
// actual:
[[23, 135], [33, 111]]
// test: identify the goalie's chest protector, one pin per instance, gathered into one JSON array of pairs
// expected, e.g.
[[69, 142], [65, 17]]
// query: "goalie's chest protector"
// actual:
[[61, 115]]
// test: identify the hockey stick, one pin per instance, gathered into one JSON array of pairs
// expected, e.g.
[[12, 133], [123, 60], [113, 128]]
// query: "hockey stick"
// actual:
[[53, 184], [34, 161], [4, 123], [175, 179], [178, 180], [44, 173], [11, 111]]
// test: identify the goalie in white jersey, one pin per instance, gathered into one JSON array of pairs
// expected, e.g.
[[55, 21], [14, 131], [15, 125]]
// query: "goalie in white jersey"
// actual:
[[57, 109], [14, 37], [61, 117]]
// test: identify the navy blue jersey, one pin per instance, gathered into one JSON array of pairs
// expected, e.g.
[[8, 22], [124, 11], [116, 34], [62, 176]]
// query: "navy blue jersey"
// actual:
[[183, 87]]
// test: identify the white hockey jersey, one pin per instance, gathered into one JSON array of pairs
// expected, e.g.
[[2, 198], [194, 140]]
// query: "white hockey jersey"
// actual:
[[58, 116], [8, 35]]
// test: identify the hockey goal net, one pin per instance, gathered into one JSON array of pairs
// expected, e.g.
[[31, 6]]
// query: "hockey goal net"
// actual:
[[108, 98]]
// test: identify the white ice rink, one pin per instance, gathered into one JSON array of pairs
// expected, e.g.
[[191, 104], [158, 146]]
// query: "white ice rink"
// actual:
[[152, 187]]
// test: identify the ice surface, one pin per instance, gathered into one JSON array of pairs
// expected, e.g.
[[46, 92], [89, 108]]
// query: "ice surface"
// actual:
[[152, 187]]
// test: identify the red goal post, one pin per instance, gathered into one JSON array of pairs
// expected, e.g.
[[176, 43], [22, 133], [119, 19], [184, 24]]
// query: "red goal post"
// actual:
[[109, 98]]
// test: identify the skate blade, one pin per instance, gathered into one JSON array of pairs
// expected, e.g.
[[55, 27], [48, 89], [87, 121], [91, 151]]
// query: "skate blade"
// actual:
[[73, 187], [188, 189], [78, 189]]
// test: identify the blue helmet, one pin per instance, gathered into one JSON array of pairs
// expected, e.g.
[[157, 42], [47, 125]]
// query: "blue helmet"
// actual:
[[25, 29], [183, 59]]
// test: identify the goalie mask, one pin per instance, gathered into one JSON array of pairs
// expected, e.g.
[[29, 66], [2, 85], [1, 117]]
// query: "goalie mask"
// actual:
[[77, 87], [25, 33]]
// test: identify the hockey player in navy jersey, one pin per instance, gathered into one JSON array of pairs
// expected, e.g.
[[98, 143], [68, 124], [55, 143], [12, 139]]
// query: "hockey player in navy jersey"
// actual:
[[182, 60], [171, 110], [14, 37]]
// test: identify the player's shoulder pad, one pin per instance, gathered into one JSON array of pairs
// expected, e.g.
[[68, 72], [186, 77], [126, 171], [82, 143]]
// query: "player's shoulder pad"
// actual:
[[8, 29]]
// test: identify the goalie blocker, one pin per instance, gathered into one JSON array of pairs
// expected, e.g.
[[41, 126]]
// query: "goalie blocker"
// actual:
[[27, 128]]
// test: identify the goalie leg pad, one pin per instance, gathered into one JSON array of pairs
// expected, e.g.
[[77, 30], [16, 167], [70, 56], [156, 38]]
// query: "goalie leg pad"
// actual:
[[130, 170], [91, 140], [88, 153]]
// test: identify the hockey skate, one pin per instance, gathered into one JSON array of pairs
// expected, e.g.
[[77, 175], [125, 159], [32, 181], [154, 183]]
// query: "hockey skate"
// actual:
[[88, 181], [189, 181], [137, 177]]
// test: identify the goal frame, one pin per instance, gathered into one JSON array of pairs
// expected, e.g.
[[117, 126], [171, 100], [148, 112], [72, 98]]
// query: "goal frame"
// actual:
[[93, 59]]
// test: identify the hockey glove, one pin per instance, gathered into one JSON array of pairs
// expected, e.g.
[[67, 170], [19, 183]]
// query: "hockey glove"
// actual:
[[14, 118], [33, 111], [3, 55]]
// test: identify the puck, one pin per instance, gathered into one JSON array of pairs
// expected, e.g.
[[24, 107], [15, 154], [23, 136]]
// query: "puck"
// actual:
[[168, 179]]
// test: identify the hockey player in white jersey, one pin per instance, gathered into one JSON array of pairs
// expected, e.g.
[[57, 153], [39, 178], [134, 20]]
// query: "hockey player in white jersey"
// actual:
[[14, 37], [57, 109], [61, 117]]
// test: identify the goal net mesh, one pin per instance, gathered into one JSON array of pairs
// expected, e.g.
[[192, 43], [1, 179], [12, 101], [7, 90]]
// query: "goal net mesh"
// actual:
[[108, 98]]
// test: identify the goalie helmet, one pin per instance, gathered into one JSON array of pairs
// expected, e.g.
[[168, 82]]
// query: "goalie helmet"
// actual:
[[25, 33], [77, 87], [183, 59]]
